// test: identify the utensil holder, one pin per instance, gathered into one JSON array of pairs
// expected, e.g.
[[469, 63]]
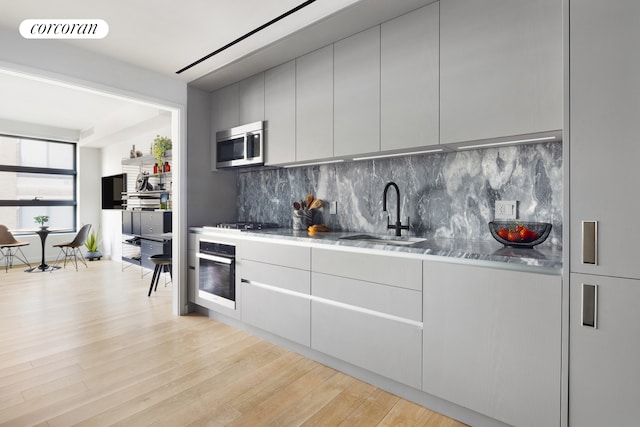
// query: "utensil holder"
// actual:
[[299, 220], [303, 219]]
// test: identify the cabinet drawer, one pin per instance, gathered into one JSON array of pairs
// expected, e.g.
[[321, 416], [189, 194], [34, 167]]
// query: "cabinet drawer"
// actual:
[[386, 299], [277, 253], [155, 222], [385, 269], [282, 314], [274, 275], [152, 247], [384, 346]]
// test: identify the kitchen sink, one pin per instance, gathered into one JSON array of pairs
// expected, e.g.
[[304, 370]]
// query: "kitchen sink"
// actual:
[[385, 240]]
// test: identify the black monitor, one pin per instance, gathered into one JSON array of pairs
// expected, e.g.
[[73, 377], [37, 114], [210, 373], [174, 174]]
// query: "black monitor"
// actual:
[[112, 188]]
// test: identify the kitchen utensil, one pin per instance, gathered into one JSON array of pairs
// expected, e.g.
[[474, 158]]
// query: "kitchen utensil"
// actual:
[[316, 204], [541, 229], [296, 206], [309, 200]]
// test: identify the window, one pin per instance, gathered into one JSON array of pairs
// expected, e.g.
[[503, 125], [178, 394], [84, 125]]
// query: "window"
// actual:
[[38, 178]]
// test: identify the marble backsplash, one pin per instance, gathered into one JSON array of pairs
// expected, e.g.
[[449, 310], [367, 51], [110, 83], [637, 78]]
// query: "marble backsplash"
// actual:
[[448, 194]]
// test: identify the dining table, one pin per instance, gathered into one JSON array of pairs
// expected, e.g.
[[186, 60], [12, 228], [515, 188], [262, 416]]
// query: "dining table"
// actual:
[[43, 232]]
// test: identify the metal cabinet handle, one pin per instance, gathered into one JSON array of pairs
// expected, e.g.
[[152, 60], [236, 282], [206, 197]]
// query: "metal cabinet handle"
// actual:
[[590, 306], [590, 242], [222, 260]]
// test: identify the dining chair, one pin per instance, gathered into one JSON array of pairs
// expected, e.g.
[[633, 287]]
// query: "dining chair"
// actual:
[[10, 248], [72, 249]]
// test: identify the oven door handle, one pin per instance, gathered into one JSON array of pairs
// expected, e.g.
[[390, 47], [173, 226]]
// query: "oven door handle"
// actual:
[[214, 258]]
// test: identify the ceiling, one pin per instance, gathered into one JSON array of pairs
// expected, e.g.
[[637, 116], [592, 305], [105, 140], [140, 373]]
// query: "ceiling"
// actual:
[[165, 36]]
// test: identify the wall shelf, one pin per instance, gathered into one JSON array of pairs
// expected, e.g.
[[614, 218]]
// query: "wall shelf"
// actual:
[[147, 199]]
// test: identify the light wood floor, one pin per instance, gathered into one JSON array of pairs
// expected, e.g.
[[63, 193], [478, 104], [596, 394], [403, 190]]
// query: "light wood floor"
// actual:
[[90, 348]]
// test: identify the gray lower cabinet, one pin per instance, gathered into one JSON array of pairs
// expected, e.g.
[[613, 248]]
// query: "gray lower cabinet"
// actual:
[[356, 94], [275, 287], [314, 105], [369, 320], [366, 324], [409, 80], [603, 366], [276, 299], [492, 341], [501, 68]]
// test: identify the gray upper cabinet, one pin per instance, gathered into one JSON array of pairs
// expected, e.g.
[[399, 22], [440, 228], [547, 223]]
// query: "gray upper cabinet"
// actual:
[[314, 105], [225, 109], [604, 94], [410, 80], [357, 94], [238, 104], [280, 113], [251, 93], [500, 68]]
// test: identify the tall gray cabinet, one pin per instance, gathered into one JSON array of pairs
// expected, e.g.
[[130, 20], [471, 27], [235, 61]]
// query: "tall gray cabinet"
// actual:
[[604, 129]]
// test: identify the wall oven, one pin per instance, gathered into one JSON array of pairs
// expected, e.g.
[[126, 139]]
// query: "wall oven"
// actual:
[[216, 272], [240, 146]]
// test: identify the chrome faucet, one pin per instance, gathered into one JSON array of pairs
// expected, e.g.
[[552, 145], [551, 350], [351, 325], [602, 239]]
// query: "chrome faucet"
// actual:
[[398, 226]]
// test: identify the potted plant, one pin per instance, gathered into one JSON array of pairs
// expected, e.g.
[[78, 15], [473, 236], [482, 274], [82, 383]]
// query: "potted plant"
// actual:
[[160, 145], [93, 240], [42, 220]]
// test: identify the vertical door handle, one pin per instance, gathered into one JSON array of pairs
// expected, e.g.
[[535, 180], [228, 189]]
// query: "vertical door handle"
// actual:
[[590, 242], [590, 306]]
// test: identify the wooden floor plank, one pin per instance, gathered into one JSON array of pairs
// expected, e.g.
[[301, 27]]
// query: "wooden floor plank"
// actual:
[[373, 410], [90, 348], [314, 401], [285, 398]]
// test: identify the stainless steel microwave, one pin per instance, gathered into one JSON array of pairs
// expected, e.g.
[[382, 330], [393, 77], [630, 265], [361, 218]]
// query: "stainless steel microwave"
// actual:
[[240, 146]]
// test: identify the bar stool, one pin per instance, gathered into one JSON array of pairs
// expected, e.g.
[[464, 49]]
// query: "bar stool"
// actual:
[[162, 263]]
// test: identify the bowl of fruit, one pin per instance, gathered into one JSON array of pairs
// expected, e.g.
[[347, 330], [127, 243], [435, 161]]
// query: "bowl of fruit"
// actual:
[[520, 234]]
